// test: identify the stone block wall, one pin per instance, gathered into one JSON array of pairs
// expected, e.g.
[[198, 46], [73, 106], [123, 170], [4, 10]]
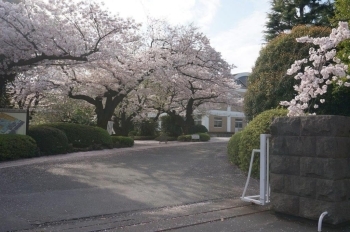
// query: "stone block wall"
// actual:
[[310, 167]]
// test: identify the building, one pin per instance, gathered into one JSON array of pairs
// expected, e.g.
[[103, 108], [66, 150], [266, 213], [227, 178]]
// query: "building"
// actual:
[[227, 120]]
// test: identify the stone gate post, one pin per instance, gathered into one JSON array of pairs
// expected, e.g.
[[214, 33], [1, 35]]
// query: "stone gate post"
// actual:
[[310, 167]]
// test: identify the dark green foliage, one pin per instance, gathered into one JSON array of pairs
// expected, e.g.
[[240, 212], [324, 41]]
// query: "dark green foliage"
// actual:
[[122, 141], [139, 137], [83, 136], [147, 128], [16, 147], [132, 133], [184, 138], [204, 137], [233, 148], [337, 101], [250, 137], [49, 140], [269, 84], [341, 12], [171, 125], [168, 138], [5, 100], [198, 129], [286, 14], [188, 138], [81, 116]]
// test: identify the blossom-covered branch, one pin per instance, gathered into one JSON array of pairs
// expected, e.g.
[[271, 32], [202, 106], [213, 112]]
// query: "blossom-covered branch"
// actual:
[[325, 68]]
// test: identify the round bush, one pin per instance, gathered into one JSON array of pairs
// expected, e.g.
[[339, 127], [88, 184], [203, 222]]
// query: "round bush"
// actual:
[[49, 140], [184, 138], [204, 137], [16, 147], [198, 129], [140, 137], [233, 148], [83, 136], [132, 133], [250, 138], [122, 141]]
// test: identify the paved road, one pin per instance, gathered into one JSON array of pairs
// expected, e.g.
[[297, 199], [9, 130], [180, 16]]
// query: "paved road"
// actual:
[[150, 187], [50, 189]]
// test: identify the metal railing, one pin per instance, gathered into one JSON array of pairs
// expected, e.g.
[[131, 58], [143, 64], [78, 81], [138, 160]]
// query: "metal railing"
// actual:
[[264, 196]]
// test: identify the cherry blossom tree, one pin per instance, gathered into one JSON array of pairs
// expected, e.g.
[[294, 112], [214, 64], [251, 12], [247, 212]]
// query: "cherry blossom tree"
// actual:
[[321, 69], [106, 83], [29, 88], [56, 32], [195, 73]]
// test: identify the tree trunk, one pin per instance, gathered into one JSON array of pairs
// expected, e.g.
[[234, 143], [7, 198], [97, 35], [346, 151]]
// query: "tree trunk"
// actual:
[[189, 121], [126, 124], [104, 114]]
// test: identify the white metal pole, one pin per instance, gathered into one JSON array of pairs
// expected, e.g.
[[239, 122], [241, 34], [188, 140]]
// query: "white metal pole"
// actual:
[[268, 136], [263, 169]]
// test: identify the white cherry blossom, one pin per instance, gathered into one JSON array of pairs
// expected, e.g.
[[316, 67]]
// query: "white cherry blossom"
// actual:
[[326, 68]]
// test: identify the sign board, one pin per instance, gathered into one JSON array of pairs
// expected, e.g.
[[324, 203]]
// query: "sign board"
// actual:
[[13, 121]]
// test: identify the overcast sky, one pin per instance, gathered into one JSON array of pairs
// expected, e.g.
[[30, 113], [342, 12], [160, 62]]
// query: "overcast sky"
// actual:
[[234, 27]]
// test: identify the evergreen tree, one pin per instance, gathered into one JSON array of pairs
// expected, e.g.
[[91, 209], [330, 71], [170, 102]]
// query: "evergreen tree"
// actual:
[[269, 84], [285, 14], [342, 13]]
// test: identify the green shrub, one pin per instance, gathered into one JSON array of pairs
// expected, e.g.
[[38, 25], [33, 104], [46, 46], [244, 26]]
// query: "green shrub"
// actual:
[[49, 140], [184, 138], [233, 148], [250, 138], [172, 125], [122, 141], [168, 138], [268, 83], [204, 137], [132, 133], [198, 129], [147, 128], [83, 136], [139, 137], [16, 147]]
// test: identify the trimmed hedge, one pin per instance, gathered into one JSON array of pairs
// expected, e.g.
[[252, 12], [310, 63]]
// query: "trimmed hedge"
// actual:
[[184, 138], [250, 138], [204, 137], [16, 146], [233, 148], [132, 133], [197, 129], [122, 141], [49, 140], [188, 138], [140, 137], [168, 138], [83, 136]]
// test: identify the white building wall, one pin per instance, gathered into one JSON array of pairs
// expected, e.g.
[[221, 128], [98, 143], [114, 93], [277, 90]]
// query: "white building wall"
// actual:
[[205, 122]]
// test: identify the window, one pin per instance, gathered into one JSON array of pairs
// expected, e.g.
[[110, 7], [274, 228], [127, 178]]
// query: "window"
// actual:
[[238, 123], [217, 122]]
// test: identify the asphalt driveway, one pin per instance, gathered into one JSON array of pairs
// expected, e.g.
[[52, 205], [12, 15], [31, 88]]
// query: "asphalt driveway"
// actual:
[[52, 189]]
